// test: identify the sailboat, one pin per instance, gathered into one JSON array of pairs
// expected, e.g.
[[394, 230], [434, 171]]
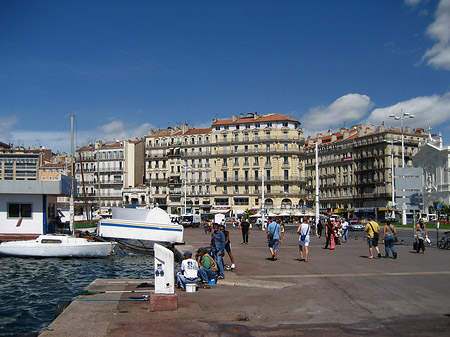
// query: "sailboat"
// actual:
[[59, 245]]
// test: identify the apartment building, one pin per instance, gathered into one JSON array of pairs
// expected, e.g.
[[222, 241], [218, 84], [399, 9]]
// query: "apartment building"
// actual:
[[355, 168], [178, 169], [18, 163], [247, 149], [102, 171]]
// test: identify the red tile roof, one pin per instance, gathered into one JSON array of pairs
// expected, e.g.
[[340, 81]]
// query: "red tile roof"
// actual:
[[251, 119]]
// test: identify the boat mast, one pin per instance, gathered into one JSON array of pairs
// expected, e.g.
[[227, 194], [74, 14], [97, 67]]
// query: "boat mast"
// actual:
[[72, 192]]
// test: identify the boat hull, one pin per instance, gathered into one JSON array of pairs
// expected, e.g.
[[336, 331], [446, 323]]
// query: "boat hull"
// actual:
[[56, 246], [141, 230]]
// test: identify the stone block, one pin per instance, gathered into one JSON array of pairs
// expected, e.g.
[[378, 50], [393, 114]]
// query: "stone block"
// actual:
[[163, 302]]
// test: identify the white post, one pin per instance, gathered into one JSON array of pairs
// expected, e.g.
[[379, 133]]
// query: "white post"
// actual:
[[317, 187], [72, 192], [393, 179], [185, 188], [263, 201]]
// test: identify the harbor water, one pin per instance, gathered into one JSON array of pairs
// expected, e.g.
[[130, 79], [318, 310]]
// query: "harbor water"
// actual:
[[31, 288]]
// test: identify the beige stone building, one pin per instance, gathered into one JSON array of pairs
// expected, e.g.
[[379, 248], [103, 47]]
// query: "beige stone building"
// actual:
[[246, 148], [178, 168], [355, 168]]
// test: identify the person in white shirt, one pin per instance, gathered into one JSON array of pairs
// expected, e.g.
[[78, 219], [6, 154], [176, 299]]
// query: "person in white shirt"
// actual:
[[304, 232], [189, 271], [344, 226]]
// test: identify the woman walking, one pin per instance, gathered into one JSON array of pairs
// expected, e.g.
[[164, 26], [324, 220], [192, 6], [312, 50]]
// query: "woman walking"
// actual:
[[420, 234], [329, 232], [304, 232], [389, 233]]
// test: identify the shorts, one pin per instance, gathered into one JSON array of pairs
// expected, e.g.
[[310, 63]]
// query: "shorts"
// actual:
[[228, 248], [274, 244], [371, 242], [303, 243]]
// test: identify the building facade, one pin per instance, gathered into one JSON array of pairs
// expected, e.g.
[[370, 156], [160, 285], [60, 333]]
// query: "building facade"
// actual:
[[18, 163], [355, 168], [249, 149], [103, 170], [434, 158], [178, 169]]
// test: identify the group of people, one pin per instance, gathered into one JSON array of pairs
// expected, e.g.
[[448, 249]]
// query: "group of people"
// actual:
[[207, 263], [210, 265]]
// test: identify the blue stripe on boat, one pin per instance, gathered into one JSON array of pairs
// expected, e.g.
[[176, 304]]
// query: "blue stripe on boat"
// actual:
[[141, 227]]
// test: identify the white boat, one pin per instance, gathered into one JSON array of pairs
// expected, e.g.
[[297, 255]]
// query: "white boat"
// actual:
[[56, 245], [141, 224]]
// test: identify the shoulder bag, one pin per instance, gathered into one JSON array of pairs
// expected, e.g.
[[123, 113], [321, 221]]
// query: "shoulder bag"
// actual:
[[303, 236], [376, 236]]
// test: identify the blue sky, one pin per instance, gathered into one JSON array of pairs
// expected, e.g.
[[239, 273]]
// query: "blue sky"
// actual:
[[123, 67]]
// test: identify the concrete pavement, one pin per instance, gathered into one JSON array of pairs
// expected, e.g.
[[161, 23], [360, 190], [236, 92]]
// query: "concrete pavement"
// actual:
[[336, 293]]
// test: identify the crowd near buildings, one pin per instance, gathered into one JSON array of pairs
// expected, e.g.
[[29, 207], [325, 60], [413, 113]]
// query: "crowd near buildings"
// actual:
[[251, 162]]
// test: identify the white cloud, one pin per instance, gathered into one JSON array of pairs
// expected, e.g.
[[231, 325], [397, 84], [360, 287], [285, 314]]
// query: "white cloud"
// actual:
[[428, 111], [60, 141], [439, 55], [412, 3], [6, 124], [347, 109]]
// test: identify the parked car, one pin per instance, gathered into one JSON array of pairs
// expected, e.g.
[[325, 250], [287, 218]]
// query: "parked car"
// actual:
[[356, 226]]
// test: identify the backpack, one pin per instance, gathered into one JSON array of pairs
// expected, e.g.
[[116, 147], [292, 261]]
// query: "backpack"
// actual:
[[213, 265]]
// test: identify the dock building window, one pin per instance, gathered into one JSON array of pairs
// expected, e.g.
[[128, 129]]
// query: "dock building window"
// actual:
[[16, 210]]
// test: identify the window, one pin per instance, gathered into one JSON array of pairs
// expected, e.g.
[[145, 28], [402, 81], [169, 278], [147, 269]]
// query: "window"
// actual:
[[286, 160], [267, 147], [236, 175], [286, 188], [285, 147], [286, 174], [256, 148], [19, 210]]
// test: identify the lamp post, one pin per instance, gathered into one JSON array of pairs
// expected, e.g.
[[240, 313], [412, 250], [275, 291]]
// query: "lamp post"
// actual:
[[402, 116], [317, 188], [185, 167], [263, 217], [392, 141]]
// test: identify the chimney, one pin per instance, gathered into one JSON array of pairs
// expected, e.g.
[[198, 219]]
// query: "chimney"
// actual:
[[256, 116], [234, 118]]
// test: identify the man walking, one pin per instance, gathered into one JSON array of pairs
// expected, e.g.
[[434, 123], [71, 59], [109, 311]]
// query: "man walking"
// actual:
[[245, 230], [218, 248], [273, 238], [344, 226], [373, 230]]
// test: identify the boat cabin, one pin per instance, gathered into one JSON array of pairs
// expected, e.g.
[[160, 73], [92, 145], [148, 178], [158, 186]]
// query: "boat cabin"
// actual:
[[28, 207]]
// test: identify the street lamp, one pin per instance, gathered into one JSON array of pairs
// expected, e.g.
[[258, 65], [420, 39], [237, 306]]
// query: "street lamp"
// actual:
[[185, 167], [402, 116], [263, 201], [392, 141]]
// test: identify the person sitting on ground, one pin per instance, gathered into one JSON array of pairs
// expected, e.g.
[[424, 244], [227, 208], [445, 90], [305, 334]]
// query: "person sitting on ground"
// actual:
[[208, 267], [228, 245], [189, 271]]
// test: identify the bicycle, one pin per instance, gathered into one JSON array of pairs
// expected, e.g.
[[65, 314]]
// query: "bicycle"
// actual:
[[444, 243]]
